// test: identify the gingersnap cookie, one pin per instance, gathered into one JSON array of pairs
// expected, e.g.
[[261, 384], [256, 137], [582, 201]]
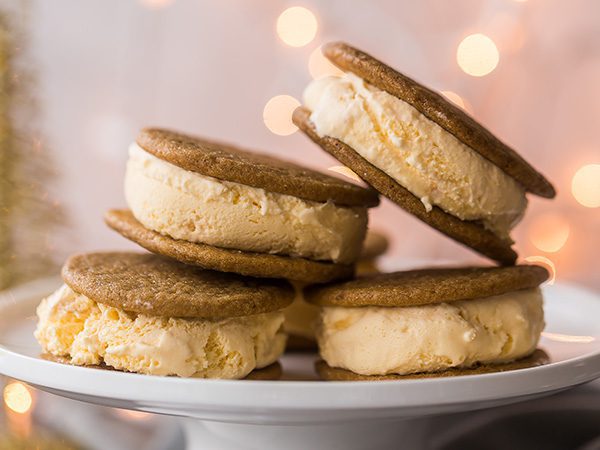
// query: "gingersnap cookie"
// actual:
[[230, 163], [148, 314], [145, 283], [253, 264], [430, 320], [375, 245], [427, 286], [538, 358], [421, 151], [212, 194], [269, 373]]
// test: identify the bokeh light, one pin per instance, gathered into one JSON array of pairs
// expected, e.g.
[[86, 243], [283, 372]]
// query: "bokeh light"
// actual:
[[277, 114], [156, 4], [558, 337], [319, 66], [136, 416], [477, 55], [343, 170], [585, 186], [546, 262], [457, 100], [296, 26], [549, 232], [17, 397]]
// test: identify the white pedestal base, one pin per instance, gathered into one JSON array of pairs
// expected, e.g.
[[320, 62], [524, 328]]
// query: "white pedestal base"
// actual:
[[409, 434]]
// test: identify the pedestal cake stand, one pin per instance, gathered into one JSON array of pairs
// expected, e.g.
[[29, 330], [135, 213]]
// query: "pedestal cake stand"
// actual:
[[299, 411]]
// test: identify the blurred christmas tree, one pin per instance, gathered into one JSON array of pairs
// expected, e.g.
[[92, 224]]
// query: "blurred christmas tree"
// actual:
[[28, 217]]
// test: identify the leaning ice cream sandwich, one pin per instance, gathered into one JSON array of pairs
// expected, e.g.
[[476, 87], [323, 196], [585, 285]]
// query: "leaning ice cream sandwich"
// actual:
[[148, 314], [429, 321], [421, 151], [223, 208]]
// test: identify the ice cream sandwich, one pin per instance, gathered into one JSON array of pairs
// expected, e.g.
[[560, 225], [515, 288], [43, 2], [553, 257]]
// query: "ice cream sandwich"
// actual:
[[144, 313], [429, 321], [223, 208], [421, 151]]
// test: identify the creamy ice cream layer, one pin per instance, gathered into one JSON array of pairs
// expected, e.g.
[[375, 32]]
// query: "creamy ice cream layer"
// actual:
[[89, 333], [416, 152], [404, 340], [189, 206]]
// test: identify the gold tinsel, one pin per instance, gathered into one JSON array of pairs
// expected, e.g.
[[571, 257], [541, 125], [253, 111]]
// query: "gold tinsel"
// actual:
[[28, 216]]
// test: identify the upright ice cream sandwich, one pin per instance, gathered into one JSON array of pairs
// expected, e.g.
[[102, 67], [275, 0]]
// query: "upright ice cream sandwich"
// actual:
[[222, 208], [429, 321], [421, 151], [148, 314]]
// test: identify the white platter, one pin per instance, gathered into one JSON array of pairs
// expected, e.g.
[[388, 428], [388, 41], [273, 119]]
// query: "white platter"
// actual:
[[572, 339]]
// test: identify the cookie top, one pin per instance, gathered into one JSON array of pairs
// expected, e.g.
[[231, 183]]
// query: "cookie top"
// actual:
[[262, 265], [441, 111], [145, 283], [226, 162], [470, 233], [328, 373], [427, 286]]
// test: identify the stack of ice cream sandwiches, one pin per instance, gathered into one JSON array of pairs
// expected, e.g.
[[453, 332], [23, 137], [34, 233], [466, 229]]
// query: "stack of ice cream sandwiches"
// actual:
[[247, 250], [227, 228]]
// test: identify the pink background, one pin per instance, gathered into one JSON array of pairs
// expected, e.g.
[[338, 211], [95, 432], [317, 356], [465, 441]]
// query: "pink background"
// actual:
[[108, 67]]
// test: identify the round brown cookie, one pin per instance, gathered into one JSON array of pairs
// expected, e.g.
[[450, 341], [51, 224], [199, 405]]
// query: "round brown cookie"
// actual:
[[226, 162], [271, 372], [262, 265], [296, 343], [328, 373], [441, 111], [149, 284], [427, 286], [375, 244], [471, 234]]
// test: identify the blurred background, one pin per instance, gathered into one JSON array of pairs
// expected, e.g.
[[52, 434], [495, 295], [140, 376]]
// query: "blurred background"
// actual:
[[81, 78]]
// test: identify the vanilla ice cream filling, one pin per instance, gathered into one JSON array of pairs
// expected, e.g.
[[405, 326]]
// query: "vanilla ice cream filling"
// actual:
[[189, 206], [90, 333], [404, 340], [416, 152]]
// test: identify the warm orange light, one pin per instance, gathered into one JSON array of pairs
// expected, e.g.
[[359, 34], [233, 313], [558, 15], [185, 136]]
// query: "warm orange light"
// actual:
[[586, 185], [156, 4], [132, 415], [320, 67], [296, 26], [568, 338], [277, 114], [17, 397], [542, 260], [457, 100], [477, 55], [549, 232], [343, 170]]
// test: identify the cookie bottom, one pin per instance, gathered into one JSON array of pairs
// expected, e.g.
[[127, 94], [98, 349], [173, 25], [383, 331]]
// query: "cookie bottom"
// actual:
[[537, 358], [261, 265], [271, 372], [300, 344]]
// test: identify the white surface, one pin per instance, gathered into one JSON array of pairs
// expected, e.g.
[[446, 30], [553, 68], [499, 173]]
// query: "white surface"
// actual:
[[570, 311]]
